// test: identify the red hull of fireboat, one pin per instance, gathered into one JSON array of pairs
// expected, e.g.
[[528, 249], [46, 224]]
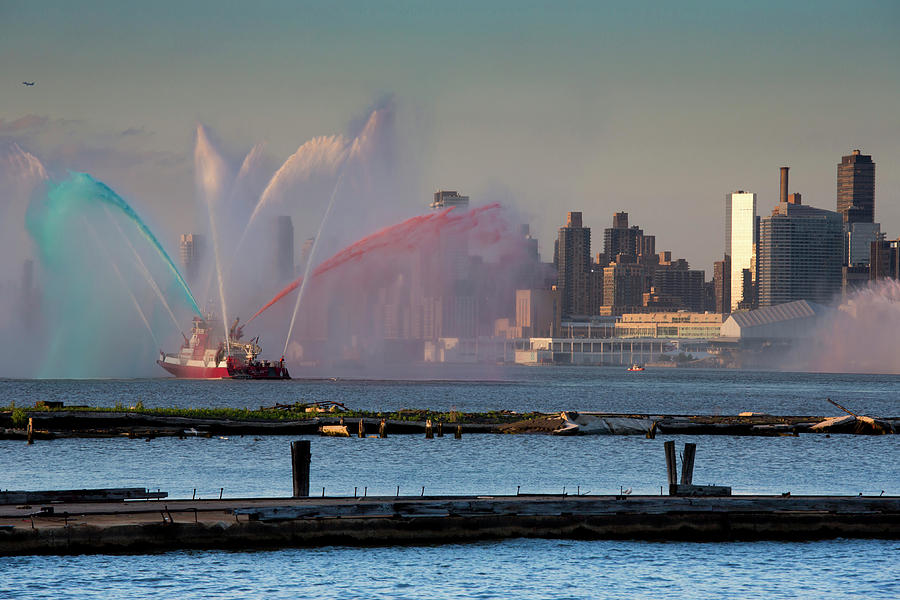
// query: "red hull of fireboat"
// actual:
[[193, 372]]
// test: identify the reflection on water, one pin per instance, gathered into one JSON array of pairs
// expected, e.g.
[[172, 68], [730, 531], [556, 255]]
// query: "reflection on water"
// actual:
[[507, 569], [477, 388]]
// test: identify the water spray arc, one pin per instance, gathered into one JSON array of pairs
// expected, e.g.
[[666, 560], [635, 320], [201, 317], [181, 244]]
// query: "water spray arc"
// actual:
[[81, 188], [309, 262], [121, 279], [211, 165], [403, 236], [144, 271]]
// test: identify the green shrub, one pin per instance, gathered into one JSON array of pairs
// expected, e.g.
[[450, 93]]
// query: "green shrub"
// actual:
[[19, 417]]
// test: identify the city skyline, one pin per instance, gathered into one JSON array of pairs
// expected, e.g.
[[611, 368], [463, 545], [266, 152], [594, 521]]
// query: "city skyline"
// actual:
[[598, 110]]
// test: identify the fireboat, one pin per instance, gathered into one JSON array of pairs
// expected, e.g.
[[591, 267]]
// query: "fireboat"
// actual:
[[247, 367], [205, 356]]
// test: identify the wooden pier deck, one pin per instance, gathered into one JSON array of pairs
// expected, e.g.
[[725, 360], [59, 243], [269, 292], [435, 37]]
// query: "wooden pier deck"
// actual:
[[154, 525]]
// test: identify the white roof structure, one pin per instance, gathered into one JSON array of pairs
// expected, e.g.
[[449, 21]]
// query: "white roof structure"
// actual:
[[791, 320]]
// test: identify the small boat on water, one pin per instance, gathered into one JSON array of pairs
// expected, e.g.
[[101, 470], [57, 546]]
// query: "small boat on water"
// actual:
[[635, 367]]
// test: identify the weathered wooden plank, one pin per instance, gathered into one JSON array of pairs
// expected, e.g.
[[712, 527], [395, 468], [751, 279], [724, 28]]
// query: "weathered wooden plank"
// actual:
[[300, 459], [584, 506], [671, 465], [85, 495], [687, 466], [686, 489]]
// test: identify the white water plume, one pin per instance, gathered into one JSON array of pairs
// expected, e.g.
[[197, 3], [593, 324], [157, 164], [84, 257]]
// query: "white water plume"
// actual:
[[112, 262], [144, 271], [859, 337], [310, 262], [319, 157], [212, 175], [21, 174]]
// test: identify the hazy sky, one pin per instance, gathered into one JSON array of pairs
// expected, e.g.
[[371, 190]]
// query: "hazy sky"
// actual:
[[659, 109]]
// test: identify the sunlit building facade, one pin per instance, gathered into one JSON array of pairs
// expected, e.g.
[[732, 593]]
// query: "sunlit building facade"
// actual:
[[740, 240], [800, 255]]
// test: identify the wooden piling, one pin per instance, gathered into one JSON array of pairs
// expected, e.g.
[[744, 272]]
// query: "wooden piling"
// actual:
[[687, 467], [300, 457], [458, 434], [440, 432], [671, 465], [30, 430], [382, 429], [362, 428], [429, 431]]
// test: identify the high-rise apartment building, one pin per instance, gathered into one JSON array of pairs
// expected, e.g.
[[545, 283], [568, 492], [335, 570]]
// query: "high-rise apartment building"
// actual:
[[884, 262], [191, 247], [573, 264], [859, 241], [447, 198], [623, 286], [740, 240], [284, 248], [622, 239], [537, 313], [674, 279], [799, 255], [856, 188], [722, 285]]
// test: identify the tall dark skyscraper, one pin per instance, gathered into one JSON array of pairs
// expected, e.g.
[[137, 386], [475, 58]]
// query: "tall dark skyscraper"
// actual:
[[621, 239], [284, 247], [191, 246], [856, 188], [573, 263], [722, 284]]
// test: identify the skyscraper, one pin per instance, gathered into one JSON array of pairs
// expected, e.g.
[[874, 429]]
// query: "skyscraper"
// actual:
[[191, 248], [447, 198], [621, 239], [284, 248], [623, 286], [856, 188], [799, 255], [573, 263], [722, 285], [675, 279], [740, 240]]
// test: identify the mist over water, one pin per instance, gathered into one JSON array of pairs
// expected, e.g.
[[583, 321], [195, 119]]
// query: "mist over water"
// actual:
[[87, 288], [860, 336], [100, 267]]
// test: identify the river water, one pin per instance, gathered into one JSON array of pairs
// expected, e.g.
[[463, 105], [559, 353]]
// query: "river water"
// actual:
[[477, 464]]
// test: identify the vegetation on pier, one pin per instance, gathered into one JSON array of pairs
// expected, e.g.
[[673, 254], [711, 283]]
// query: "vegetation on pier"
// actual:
[[300, 411]]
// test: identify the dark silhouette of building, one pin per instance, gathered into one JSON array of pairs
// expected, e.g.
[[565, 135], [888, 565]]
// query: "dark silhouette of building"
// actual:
[[722, 285], [885, 260], [191, 247], [284, 248], [622, 239], [856, 188], [675, 279], [572, 256]]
